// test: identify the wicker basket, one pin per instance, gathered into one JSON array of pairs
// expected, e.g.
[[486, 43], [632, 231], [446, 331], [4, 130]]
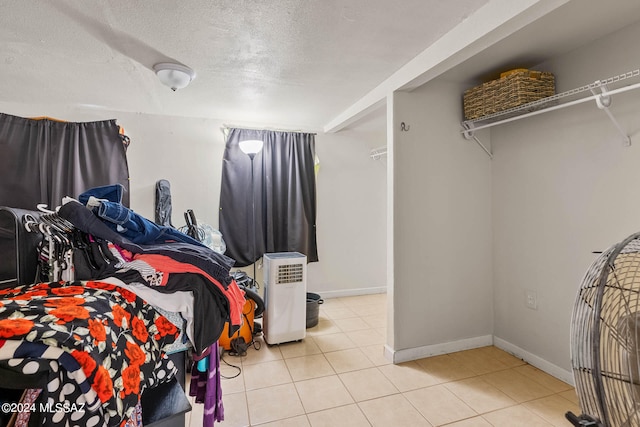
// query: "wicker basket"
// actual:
[[514, 88]]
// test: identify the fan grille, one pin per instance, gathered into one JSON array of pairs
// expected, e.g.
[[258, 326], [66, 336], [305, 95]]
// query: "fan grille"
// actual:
[[605, 337]]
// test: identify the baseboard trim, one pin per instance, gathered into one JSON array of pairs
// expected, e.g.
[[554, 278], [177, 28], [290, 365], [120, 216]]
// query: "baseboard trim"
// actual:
[[415, 353], [388, 353], [351, 292], [537, 361], [408, 354]]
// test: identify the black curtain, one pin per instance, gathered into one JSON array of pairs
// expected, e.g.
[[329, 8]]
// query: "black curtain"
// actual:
[[283, 195], [41, 161]]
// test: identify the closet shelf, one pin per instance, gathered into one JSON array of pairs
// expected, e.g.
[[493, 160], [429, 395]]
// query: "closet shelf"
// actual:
[[600, 93]]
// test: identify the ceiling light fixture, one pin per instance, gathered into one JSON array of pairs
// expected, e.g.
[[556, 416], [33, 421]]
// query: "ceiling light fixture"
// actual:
[[175, 76]]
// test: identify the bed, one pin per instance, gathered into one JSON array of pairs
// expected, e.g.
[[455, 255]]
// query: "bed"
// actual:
[[88, 336]]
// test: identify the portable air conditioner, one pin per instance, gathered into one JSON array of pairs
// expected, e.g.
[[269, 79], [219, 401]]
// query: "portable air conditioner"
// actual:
[[285, 302]]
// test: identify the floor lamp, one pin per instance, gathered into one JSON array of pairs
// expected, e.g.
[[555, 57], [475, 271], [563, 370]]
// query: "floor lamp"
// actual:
[[251, 147]]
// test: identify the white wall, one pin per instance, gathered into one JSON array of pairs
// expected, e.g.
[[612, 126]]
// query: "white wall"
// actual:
[[186, 152], [442, 284], [563, 186], [351, 225]]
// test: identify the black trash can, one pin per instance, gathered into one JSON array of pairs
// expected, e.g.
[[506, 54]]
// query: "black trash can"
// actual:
[[313, 308]]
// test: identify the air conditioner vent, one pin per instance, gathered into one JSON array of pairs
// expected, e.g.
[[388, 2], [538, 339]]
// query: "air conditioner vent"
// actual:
[[290, 273]]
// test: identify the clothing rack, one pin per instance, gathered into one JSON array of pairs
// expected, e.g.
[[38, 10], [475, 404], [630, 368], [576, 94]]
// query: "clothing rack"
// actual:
[[55, 251]]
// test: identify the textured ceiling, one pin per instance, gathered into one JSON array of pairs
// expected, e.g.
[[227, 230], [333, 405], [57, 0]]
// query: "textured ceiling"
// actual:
[[279, 63]]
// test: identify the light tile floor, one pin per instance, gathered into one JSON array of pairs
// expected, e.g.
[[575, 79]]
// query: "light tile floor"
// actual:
[[337, 376]]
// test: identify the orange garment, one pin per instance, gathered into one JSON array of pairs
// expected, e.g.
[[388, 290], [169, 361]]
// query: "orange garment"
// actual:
[[233, 293]]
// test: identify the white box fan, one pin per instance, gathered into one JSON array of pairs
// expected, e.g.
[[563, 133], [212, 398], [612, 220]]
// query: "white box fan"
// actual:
[[285, 292]]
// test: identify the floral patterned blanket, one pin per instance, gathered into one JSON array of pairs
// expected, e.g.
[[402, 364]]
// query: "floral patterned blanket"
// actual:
[[108, 342]]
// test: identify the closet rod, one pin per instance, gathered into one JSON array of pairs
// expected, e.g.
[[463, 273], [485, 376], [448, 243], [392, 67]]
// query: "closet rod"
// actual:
[[470, 128], [378, 153]]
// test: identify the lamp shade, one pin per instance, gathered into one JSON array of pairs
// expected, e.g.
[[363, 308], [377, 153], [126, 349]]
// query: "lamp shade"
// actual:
[[175, 76], [251, 147]]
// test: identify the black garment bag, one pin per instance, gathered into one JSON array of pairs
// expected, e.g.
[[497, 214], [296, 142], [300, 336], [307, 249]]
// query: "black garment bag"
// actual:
[[18, 248]]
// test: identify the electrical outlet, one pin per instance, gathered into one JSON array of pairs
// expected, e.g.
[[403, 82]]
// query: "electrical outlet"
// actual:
[[531, 299]]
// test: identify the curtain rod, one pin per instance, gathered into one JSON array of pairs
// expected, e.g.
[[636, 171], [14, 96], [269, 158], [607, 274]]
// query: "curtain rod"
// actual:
[[226, 127], [48, 118]]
